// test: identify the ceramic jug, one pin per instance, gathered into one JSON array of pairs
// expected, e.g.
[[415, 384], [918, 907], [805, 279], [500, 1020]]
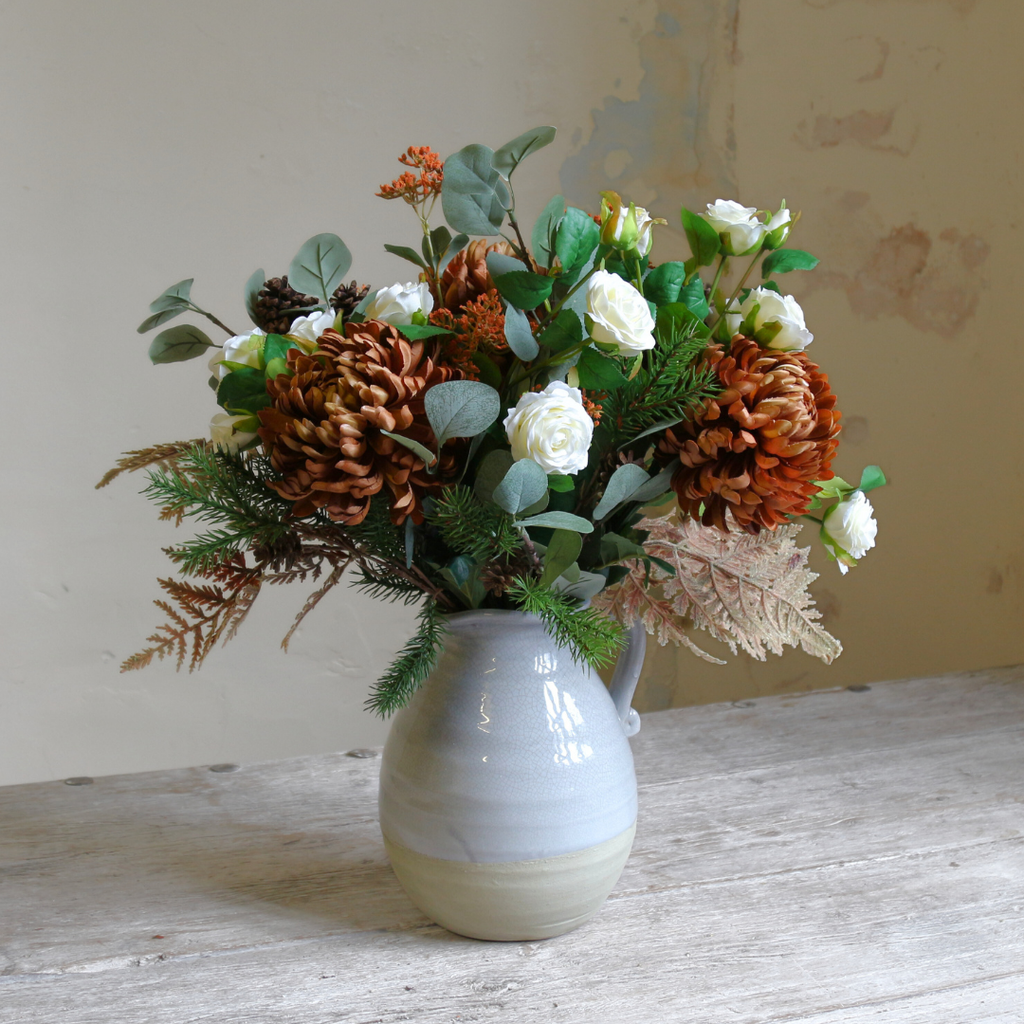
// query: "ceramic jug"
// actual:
[[508, 798]]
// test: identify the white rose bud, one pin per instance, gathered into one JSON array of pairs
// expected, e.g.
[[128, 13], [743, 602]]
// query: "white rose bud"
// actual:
[[778, 228], [242, 348], [552, 428], [397, 304], [619, 314], [309, 328], [626, 228], [738, 227], [778, 323], [849, 529], [225, 432]]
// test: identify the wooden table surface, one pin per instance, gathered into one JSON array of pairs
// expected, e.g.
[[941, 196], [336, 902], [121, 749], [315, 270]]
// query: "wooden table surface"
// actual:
[[831, 858]]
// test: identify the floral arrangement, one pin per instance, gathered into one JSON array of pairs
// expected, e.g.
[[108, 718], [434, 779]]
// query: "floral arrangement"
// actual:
[[490, 434]]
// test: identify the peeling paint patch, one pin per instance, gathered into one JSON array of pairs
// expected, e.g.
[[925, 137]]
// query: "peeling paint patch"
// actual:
[[676, 139]]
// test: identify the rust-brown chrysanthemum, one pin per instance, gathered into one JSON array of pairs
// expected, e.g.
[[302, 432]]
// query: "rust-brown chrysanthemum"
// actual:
[[756, 447], [323, 431]]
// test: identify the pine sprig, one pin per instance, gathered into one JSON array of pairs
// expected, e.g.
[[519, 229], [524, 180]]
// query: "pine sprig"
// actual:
[[165, 455], [382, 583], [412, 666], [591, 637], [468, 527]]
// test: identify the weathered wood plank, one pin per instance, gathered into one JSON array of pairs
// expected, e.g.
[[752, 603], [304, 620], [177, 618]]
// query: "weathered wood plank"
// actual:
[[749, 950], [794, 860]]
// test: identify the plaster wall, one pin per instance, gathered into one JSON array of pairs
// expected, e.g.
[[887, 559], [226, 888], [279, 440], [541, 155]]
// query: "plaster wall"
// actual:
[[143, 144]]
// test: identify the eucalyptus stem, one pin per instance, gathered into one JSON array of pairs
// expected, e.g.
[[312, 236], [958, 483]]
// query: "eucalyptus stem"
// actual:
[[213, 319]]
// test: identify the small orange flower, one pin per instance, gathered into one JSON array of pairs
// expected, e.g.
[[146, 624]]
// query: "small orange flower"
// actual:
[[479, 328], [415, 190]]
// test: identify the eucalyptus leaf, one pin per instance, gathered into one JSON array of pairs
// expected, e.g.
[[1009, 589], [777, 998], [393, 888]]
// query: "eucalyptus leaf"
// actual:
[[562, 551], [576, 239], [598, 372], [461, 408], [156, 319], [421, 451], [589, 585], [656, 486], [253, 287], [243, 390], [519, 334], [512, 154], [458, 243], [524, 485], [487, 368], [621, 485], [407, 254], [440, 240], [565, 331], [319, 266], [543, 237], [616, 548], [177, 344], [473, 196], [704, 240], [491, 471], [557, 521], [782, 261], [174, 297]]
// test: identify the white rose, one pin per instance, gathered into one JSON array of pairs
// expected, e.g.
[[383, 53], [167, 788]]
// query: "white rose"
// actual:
[[397, 304], [619, 314], [552, 428], [223, 432], [849, 525], [309, 328], [740, 230], [242, 348], [774, 308]]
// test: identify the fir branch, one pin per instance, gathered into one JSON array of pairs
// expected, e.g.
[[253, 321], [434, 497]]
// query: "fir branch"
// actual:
[[468, 527], [379, 582], [412, 666], [590, 637], [164, 455]]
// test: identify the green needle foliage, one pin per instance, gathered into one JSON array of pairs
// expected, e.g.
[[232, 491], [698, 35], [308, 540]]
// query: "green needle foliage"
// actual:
[[412, 666], [590, 636], [471, 528]]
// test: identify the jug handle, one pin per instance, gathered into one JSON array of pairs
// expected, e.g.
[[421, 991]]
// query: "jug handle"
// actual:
[[624, 680]]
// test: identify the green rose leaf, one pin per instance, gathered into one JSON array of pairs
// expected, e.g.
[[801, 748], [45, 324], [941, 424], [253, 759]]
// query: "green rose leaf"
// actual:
[[598, 372], [421, 451], [175, 297], [782, 261], [562, 484], [512, 154], [558, 521], [440, 239], [677, 316], [575, 240], [565, 331], [414, 332], [473, 196], [243, 390], [519, 334], [276, 346], [524, 485], [461, 408], [488, 370], [253, 287], [663, 283], [544, 231], [407, 254], [871, 478], [692, 296], [524, 289], [621, 485], [177, 344], [563, 550], [319, 266], [703, 238]]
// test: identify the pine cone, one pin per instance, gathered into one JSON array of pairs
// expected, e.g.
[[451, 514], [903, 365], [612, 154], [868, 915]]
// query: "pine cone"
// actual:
[[347, 296], [756, 447], [323, 431], [466, 275], [278, 305], [497, 577]]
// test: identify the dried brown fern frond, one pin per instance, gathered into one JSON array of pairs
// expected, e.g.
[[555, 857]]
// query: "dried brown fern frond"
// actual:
[[204, 614], [163, 455], [748, 591]]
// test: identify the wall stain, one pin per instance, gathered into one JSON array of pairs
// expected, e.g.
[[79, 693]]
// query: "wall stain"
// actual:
[[961, 7], [883, 57], [995, 582], [856, 430], [865, 127], [676, 141]]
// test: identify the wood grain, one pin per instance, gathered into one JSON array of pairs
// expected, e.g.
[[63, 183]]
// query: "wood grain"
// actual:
[[834, 857]]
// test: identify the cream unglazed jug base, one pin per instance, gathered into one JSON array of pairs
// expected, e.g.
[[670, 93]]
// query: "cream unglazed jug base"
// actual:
[[507, 793]]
